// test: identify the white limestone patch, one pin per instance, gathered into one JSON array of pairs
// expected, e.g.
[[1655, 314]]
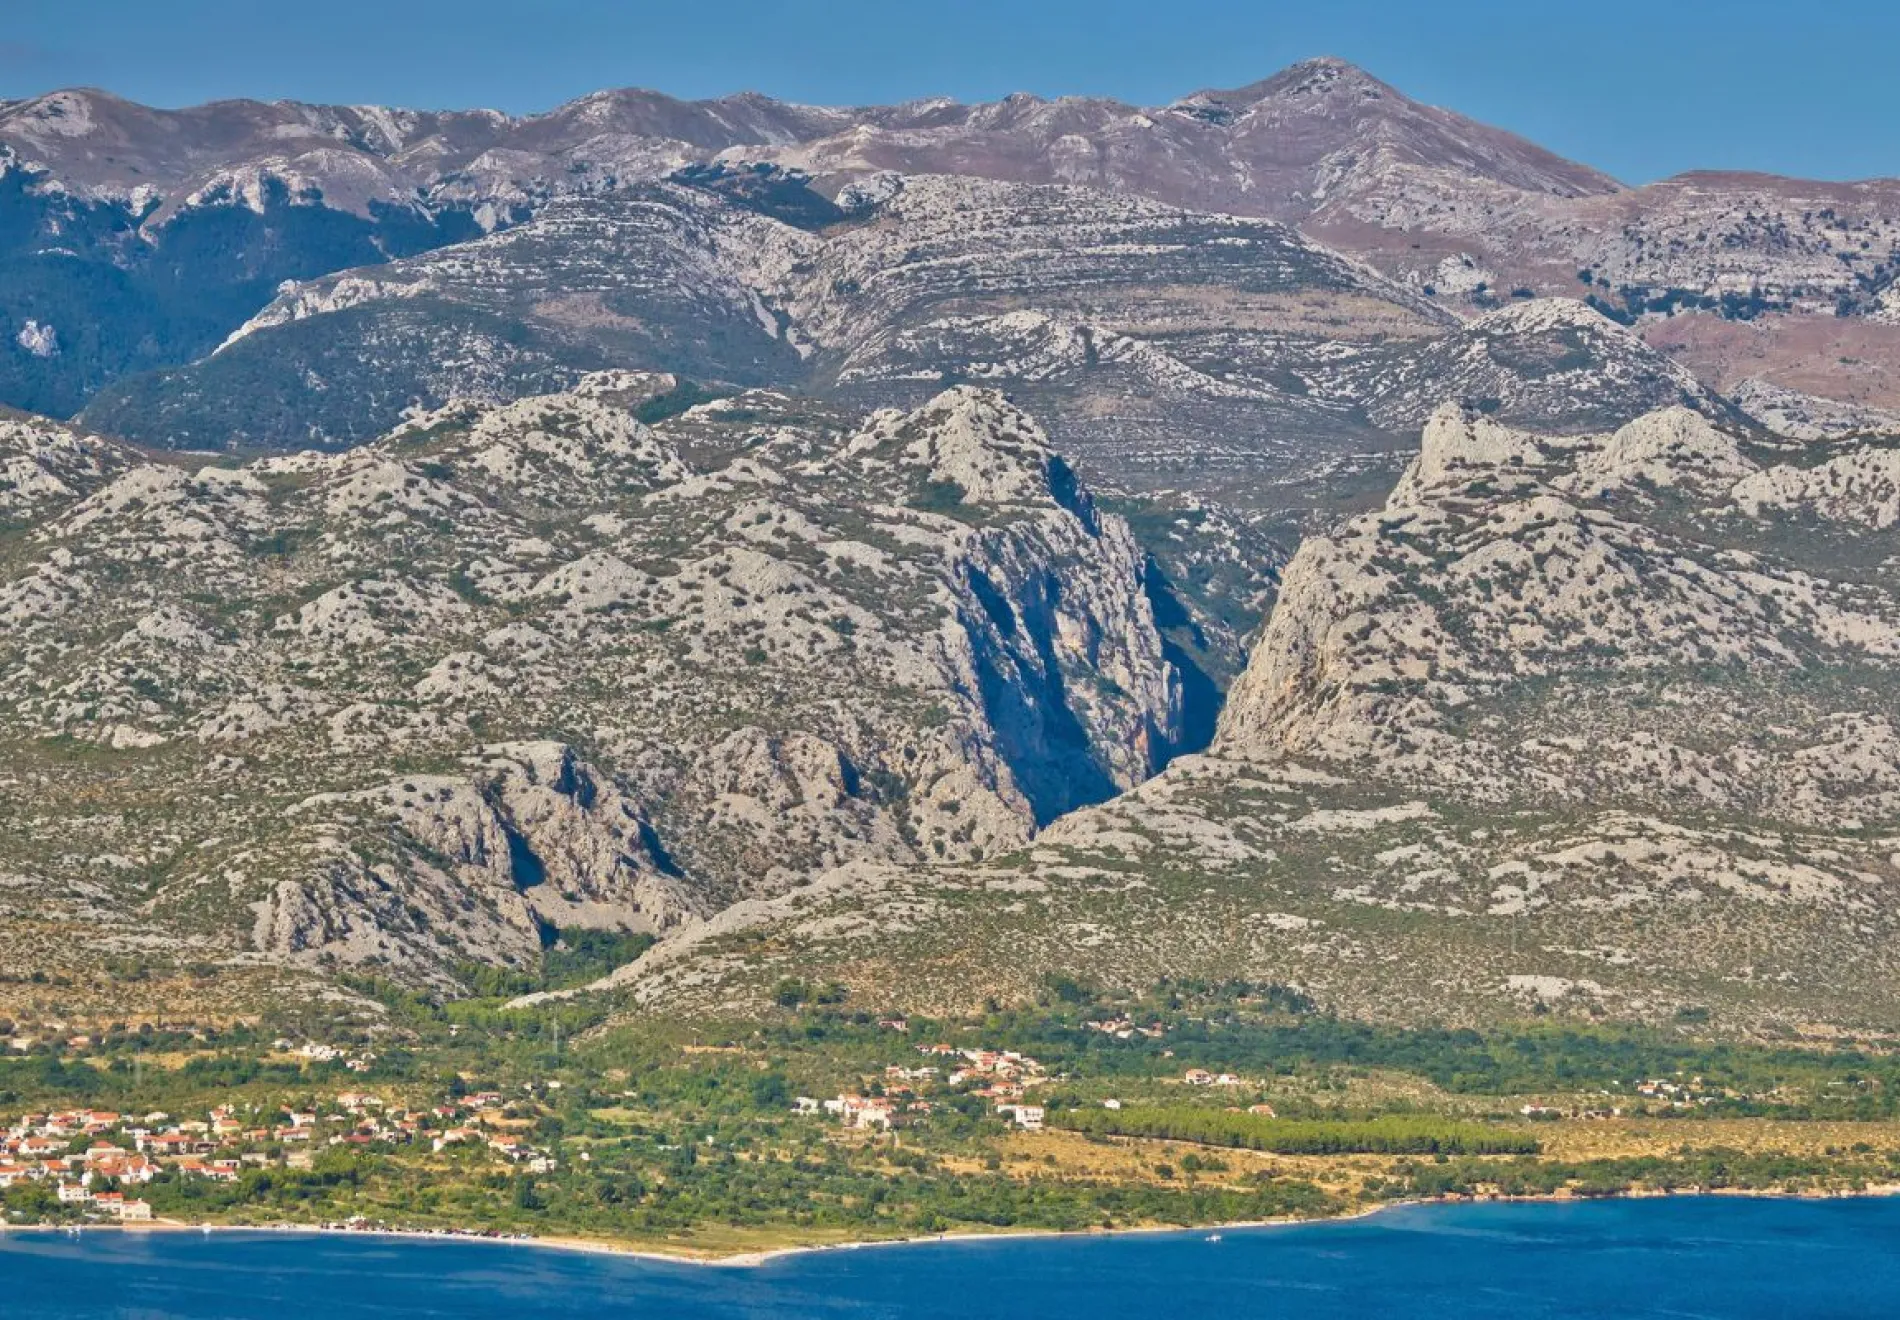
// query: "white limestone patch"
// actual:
[[1552, 989], [1360, 820], [1861, 486], [38, 339]]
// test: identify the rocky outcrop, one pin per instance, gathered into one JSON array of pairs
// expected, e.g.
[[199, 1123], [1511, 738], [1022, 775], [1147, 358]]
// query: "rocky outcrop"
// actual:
[[44, 466], [1511, 564], [491, 863], [1548, 365], [1861, 485]]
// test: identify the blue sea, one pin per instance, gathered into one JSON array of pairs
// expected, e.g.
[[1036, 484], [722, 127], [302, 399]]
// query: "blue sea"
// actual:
[[1735, 1259]]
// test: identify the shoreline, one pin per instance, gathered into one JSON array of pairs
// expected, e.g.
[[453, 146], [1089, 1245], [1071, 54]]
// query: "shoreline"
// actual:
[[765, 1256]]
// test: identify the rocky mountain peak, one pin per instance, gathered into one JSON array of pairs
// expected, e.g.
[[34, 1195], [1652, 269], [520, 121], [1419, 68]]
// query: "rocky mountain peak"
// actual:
[[1546, 314], [972, 443], [1676, 449], [68, 114], [1457, 442], [1322, 78], [1623, 559], [1331, 134]]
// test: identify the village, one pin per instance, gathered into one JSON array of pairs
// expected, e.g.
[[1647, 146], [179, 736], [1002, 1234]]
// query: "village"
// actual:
[[899, 1097], [96, 1161], [1650, 1095], [1002, 1077]]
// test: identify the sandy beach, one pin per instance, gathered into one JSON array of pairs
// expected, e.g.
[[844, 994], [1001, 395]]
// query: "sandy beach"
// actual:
[[753, 1259]]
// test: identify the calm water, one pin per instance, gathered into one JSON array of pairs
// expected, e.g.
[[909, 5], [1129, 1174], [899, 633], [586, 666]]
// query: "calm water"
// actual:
[[1677, 1258]]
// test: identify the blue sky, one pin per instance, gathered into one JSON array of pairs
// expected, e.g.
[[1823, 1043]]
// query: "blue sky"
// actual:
[[1642, 88]]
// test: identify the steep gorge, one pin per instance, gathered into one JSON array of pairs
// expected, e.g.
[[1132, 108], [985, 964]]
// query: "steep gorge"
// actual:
[[519, 669]]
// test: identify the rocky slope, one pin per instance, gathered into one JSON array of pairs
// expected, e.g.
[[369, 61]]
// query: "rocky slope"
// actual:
[[1601, 725], [519, 669], [1164, 348], [919, 281], [137, 239], [658, 555]]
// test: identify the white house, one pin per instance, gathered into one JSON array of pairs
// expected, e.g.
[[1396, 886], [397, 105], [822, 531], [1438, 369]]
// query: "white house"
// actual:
[[1027, 1117]]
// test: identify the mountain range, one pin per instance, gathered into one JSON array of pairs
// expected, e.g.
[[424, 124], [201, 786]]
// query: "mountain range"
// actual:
[[138, 239], [1293, 534]]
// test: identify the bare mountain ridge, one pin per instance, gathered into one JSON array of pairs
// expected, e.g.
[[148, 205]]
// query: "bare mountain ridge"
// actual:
[[1282, 147], [1162, 347], [140, 238], [1282, 142]]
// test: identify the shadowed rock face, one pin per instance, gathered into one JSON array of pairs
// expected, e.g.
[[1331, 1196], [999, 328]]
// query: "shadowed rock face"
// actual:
[[517, 669]]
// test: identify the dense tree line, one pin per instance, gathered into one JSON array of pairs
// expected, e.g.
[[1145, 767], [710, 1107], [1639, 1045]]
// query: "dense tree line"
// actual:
[[1690, 1171], [1379, 1136]]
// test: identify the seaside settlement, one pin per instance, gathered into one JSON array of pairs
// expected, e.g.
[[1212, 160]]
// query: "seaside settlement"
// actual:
[[95, 1162], [1001, 1076], [98, 1160], [1185, 1106]]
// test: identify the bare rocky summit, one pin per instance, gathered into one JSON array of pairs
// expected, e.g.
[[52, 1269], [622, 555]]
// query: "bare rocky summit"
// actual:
[[1314, 135], [1276, 148]]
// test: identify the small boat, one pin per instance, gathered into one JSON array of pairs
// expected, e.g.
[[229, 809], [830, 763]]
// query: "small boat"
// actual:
[[1213, 1237]]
